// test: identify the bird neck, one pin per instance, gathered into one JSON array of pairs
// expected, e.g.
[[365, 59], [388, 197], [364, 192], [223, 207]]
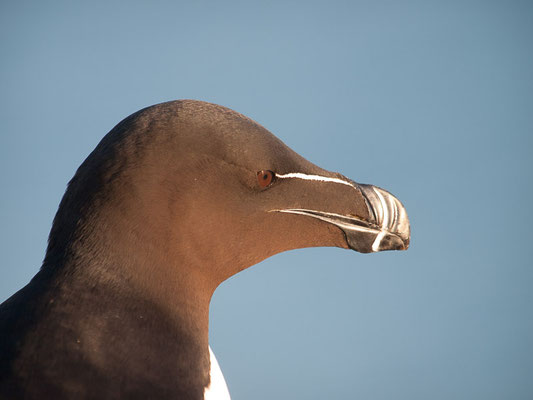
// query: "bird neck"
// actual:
[[147, 303], [135, 331]]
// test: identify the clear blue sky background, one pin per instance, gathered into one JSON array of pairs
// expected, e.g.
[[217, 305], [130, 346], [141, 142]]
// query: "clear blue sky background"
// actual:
[[432, 100]]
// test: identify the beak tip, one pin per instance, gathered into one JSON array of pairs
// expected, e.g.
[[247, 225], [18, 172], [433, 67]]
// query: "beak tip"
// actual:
[[391, 241]]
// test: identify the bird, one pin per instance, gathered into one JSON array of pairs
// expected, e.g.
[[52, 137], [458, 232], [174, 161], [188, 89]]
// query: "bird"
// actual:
[[174, 200]]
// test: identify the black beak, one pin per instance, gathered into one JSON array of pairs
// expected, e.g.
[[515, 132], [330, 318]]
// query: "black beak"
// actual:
[[386, 229]]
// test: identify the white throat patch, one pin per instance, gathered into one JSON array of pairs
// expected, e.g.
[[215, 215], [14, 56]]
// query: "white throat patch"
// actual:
[[217, 389]]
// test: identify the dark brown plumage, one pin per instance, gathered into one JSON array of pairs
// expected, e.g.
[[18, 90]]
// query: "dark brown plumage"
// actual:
[[165, 208]]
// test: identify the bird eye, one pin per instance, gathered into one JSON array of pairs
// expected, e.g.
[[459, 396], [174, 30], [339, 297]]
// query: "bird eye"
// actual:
[[265, 178]]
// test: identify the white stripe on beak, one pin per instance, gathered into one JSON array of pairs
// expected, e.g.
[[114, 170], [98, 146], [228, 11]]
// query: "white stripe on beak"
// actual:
[[385, 223]]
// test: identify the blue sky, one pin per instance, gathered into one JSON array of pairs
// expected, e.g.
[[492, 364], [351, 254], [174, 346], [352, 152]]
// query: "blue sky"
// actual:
[[430, 100]]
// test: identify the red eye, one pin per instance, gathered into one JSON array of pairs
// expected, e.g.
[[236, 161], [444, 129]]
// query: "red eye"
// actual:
[[265, 178]]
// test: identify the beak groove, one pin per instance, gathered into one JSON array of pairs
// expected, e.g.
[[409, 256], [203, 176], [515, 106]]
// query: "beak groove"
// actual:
[[390, 216]]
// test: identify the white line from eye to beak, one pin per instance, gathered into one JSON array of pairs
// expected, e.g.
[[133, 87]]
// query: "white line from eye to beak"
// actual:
[[319, 178], [385, 223]]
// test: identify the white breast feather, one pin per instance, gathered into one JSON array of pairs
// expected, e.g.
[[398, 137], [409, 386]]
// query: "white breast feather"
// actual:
[[217, 389]]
